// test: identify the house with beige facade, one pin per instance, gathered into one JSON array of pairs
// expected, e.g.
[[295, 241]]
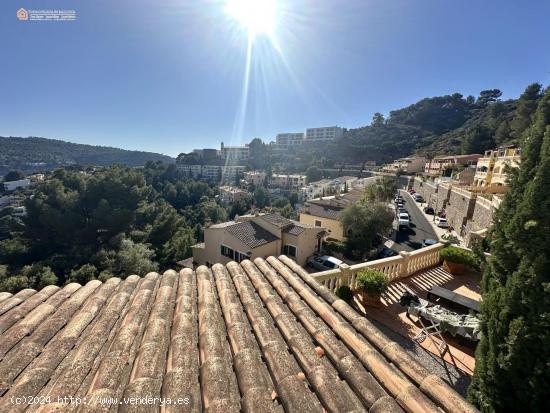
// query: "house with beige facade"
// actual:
[[259, 235], [256, 178], [491, 176], [437, 165], [231, 194], [325, 212], [408, 165]]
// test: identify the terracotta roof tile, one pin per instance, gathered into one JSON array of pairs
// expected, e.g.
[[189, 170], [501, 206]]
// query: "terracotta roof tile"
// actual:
[[251, 234], [251, 337]]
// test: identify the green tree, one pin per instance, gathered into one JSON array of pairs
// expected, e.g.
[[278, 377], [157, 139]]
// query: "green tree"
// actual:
[[526, 107], [378, 120], [178, 247], [383, 190], [503, 132], [313, 174], [135, 258], [512, 371], [14, 176], [362, 222], [488, 96], [82, 275], [261, 197], [478, 140]]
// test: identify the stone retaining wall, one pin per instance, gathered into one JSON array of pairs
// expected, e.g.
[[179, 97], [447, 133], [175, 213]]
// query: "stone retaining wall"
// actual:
[[466, 212]]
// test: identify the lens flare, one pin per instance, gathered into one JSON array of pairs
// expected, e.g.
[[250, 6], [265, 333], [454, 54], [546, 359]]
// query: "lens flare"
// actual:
[[257, 16]]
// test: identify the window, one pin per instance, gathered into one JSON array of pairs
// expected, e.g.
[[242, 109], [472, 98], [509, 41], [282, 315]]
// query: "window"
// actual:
[[227, 252], [234, 255], [289, 250], [318, 223]]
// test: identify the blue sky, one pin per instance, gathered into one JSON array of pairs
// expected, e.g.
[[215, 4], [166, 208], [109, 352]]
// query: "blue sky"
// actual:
[[167, 76]]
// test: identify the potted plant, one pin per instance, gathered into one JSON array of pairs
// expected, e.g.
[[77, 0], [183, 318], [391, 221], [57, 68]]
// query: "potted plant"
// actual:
[[455, 259], [371, 285], [345, 293]]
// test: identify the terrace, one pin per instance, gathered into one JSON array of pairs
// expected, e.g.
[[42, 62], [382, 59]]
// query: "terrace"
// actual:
[[416, 272]]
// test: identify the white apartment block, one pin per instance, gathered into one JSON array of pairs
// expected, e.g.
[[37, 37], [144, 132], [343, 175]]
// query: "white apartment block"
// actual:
[[324, 134], [287, 182], [288, 140], [235, 153], [13, 185], [192, 171], [325, 186], [213, 173]]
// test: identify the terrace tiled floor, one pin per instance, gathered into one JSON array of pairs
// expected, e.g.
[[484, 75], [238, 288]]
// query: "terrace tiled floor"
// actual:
[[393, 315]]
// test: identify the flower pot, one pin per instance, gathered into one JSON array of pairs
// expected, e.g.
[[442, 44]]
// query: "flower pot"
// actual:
[[370, 300], [453, 267]]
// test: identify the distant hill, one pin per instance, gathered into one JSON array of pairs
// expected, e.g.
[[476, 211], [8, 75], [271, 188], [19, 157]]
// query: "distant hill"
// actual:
[[40, 154]]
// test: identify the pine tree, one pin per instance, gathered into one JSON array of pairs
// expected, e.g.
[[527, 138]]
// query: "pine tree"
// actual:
[[513, 358], [527, 104], [478, 140]]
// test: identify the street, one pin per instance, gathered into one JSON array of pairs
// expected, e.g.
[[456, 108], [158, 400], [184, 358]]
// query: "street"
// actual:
[[411, 239]]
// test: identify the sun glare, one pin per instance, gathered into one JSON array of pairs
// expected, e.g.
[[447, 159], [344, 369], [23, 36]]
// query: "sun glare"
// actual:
[[257, 16]]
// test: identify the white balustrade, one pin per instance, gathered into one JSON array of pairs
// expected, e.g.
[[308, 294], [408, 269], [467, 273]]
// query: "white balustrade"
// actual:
[[399, 266]]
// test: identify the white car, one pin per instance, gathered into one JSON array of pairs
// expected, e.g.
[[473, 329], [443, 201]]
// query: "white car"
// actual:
[[403, 220], [441, 222], [324, 262]]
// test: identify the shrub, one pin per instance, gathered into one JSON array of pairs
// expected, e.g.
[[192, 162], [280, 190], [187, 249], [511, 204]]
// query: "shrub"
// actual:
[[372, 282], [344, 292], [451, 239], [335, 246], [459, 256]]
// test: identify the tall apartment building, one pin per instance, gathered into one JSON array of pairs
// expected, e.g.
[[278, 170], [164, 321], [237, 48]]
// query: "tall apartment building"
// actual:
[[324, 134], [288, 140], [490, 173], [437, 165], [213, 173], [207, 154], [235, 153]]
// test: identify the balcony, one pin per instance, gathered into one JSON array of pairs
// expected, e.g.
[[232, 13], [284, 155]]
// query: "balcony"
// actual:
[[400, 266], [415, 272]]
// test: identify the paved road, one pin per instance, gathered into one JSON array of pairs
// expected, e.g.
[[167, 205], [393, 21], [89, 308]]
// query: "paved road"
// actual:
[[420, 228]]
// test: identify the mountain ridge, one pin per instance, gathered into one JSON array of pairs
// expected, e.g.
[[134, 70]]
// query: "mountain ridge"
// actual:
[[32, 154]]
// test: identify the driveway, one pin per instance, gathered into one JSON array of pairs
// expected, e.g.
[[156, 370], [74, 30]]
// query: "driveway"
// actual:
[[421, 228]]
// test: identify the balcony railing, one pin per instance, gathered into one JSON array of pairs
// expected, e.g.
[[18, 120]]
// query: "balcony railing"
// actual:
[[399, 266]]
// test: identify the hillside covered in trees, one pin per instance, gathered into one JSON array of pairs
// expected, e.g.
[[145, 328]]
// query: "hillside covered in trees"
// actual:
[[441, 125], [41, 154]]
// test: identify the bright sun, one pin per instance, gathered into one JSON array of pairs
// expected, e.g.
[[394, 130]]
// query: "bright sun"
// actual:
[[257, 16]]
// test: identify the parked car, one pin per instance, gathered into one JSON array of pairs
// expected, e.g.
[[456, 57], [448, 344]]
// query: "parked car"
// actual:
[[429, 241], [401, 211], [386, 253], [429, 210], [441, 222], [403, 220], [418, 198], [399, 203], [324, 262]]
